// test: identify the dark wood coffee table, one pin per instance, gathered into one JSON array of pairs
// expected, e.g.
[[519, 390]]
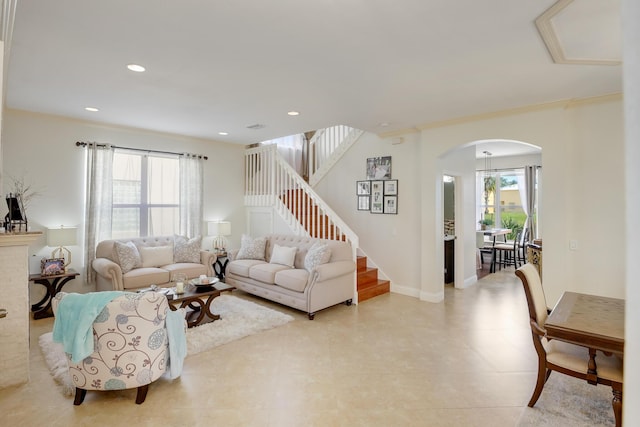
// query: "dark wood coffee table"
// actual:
[[197, 300]]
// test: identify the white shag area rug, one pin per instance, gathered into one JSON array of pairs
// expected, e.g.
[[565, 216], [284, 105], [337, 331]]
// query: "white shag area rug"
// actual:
[[570, 402], [238, 318]]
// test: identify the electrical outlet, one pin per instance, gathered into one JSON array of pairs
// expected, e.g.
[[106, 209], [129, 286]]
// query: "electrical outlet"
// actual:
[[573, 245]]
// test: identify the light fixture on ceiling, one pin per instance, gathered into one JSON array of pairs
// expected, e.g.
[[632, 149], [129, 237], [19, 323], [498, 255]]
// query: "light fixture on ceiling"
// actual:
[[487, 161], [223, 133], [137, 68], [92, 109], [487, 185], [293, 113]]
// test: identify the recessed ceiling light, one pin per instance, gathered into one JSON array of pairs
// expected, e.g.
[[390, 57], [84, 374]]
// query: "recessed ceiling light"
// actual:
[[223, 133], [293, 113], [135, 67], [92, 109], [384, 124]]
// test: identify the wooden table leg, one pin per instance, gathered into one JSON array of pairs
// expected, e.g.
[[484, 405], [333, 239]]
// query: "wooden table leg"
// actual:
[[42, 308], [592, 370]]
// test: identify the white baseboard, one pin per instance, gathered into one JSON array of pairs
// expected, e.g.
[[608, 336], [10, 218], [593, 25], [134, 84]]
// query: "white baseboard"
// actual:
[[405, 290], [432, 296], [469, 281]]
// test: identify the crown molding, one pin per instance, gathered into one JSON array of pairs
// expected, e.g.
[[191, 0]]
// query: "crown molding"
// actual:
[[562, 104]]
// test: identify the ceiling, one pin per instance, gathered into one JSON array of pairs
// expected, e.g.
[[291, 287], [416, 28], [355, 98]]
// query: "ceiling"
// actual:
[[381, 66]]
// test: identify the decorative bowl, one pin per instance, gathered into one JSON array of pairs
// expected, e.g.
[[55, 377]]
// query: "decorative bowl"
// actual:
[[198, 283]]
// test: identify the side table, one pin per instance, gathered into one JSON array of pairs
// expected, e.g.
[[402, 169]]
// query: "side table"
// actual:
[[219, 266], [53, 284]]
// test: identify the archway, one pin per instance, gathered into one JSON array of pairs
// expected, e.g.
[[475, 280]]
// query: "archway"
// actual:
[[462, 162]]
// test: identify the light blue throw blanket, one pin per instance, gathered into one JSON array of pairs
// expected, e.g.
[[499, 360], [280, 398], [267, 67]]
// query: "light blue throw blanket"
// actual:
[[73, 325], [177, 342]]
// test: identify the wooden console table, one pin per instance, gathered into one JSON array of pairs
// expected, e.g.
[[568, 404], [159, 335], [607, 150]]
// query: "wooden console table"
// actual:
[[53, 284]]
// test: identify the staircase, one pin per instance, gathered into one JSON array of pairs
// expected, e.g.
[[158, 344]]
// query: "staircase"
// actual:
[[369, 285], [271, 182], [309, 215]]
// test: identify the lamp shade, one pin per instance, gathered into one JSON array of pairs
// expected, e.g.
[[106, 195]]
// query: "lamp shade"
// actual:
[[61, 236], [219, 228]]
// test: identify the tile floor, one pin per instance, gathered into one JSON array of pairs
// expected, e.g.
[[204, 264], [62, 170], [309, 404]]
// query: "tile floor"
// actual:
[[391, 361]]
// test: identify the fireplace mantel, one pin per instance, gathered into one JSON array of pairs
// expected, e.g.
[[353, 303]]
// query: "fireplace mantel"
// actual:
[[14, 288], [19, 239]]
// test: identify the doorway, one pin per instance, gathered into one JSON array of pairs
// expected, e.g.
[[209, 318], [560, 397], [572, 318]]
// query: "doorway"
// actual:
[[449, 217]]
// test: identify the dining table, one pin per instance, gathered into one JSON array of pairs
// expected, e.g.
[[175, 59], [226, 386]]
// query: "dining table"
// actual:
[[494, 233], [591, 321]]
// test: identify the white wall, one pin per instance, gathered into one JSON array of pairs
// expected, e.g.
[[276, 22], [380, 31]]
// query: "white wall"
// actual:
[[581, 157], [631, 68], [388, 240], [42, 149], [583, 199]]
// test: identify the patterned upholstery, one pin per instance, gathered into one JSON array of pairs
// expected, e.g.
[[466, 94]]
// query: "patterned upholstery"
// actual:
[[130, 346]]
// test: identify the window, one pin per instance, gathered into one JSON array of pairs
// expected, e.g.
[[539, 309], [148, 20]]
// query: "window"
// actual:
[[500, 200], [146, 195]]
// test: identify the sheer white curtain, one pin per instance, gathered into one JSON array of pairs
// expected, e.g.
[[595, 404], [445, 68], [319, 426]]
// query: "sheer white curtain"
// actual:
[[99, 200], [291, 148], [527, 189], [191, 208]]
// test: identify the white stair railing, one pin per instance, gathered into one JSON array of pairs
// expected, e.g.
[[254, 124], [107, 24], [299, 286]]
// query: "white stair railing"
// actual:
[[326, 147], [271, 182]]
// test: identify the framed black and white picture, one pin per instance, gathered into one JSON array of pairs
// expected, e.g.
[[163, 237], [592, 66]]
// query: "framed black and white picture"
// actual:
[[364, 203], [391, 187], [391, 204], [363, 188], [379, 167], [377, 196]]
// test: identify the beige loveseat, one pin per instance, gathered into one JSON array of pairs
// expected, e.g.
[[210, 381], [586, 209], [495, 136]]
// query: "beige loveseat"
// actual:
[[117, 267], [324, 281]]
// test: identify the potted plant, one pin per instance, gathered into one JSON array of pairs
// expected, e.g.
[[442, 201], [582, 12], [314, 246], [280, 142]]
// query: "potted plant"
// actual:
[[485, 222]]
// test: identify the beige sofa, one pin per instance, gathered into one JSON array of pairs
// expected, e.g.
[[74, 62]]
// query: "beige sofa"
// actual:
[[306, 289], [159, 259]]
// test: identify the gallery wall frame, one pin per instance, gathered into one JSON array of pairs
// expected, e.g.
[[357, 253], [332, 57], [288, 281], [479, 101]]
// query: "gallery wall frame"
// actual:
[[378, 196], [391, 205], [364, 203], [379, 168], [391, 187], [363, 188]]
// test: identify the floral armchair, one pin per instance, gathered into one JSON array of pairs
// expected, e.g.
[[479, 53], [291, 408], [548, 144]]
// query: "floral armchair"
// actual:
[[130, 346]]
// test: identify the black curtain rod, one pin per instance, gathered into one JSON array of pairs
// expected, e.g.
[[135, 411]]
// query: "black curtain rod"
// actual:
[[84, 144]]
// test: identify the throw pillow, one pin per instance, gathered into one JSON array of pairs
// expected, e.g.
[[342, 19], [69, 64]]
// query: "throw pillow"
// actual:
[[251, 248], [319, 253], [283, 255], [128, 256], [186, 250], [156, 256]]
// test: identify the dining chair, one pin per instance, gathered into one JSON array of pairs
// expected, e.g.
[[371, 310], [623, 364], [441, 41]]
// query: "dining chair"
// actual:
[[562, 357], [482, 248], [522, 246], [507, 253]]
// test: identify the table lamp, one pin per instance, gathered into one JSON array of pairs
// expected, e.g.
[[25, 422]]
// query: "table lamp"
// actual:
[[61, 237], [219, 229]]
